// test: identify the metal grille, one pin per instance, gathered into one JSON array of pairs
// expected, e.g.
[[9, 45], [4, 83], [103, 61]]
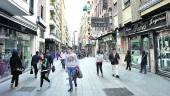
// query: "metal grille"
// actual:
[[117, 92]]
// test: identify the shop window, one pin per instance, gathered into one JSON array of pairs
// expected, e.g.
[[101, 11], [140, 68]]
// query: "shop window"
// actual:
[[135, 49], [164, 52]]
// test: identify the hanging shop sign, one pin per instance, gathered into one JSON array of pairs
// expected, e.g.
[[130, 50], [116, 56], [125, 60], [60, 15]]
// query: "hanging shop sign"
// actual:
[[99, 22], [154, 22]]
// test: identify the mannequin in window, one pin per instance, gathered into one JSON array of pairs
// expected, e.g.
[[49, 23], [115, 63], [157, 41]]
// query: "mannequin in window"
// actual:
[[166, 47]]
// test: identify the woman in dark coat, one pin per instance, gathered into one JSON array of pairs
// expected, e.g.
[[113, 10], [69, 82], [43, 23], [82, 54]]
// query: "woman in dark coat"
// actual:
[[114, 59], [144, 62], [16, 68], [128, 60]]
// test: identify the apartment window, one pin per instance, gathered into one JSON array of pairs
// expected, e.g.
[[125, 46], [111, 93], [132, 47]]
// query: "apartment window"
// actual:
[[126, 3], [42, 9], [42, 34], [115, 7]]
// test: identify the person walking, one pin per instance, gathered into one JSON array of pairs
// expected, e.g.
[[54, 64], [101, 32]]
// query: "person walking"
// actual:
[[128, 60], [63, 58], [16, 68], [44, 70], [71, 64], [144, 62], [99, 61], [114, 59], [34, 62]]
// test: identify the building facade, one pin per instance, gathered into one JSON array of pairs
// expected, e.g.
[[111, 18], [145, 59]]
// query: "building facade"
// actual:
[[53, 30], [17, 32], [144, 25]]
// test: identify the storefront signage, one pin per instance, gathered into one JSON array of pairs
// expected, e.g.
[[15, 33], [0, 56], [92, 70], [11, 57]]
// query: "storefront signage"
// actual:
[[143, 25], [99, 22], [157, 18]]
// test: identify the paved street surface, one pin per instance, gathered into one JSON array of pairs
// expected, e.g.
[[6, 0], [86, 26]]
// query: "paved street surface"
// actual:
[[131, 83]]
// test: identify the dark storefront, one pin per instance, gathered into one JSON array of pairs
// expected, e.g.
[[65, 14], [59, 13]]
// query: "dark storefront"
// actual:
[[51, 45], [152, 35], [107, 42], [14, 36]]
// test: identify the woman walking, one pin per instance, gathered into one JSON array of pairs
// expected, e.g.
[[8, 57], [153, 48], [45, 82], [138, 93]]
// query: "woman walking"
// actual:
[[16, 68], [44, 71], [128, 60], [71, 64], [99, 61]]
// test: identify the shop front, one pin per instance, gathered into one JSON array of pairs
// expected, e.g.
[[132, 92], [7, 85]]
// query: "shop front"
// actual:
[[13, 37], [153, 36]]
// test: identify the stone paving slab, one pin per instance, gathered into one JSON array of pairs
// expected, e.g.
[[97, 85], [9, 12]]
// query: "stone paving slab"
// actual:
[[91, 84]]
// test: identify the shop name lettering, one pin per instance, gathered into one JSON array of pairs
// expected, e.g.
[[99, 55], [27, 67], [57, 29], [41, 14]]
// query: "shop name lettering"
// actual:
[[149, 24], [156, 20]]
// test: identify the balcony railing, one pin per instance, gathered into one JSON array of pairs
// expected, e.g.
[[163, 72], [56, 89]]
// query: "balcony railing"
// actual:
[[148, 4]]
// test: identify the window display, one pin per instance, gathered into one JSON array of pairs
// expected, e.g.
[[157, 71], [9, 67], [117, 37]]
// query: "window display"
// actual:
[[135, 49], [10, 40], [164, 52]]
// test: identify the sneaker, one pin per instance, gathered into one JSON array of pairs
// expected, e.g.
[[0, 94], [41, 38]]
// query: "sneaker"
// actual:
[[11, 86], [113, 75], [39, 89], [76, 85], [49, 84], [70, 90], [117, 76]]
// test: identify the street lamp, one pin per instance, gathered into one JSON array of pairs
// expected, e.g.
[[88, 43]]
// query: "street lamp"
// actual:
[[74, 37]]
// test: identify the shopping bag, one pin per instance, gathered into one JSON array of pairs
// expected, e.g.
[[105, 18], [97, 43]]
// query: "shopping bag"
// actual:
[[139, 60], [79, 74]]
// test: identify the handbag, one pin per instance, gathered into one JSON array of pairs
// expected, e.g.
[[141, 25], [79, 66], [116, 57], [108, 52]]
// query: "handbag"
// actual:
[[79, 74], [20, 70], [53, 68]]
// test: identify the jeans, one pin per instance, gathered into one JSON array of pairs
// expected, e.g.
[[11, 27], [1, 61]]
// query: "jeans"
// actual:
[[71, 71], [99, 65], [143, 67], [63, 63]]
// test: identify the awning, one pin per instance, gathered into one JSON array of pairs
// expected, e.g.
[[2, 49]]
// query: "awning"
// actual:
[[111, 33], [15, 26]]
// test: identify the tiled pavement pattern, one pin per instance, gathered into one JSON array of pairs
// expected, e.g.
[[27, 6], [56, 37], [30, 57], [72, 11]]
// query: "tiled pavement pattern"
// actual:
[[131, 83]]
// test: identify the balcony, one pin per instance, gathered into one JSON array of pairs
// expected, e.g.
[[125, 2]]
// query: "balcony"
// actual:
[[17, 7], [148, 4]]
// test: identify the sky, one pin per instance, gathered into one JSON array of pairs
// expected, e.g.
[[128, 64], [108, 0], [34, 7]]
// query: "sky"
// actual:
[[73, 14]]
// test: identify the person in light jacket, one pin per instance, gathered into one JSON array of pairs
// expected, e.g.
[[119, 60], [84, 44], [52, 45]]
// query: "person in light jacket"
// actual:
[[99, 62], [71, 64]]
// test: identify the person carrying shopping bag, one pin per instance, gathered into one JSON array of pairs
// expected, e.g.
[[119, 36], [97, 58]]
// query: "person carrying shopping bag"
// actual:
[[16, 68], [71, 64]]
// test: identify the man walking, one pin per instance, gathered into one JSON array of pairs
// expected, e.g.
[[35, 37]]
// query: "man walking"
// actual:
[[71, 64], [114, 59], [34, 62]]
